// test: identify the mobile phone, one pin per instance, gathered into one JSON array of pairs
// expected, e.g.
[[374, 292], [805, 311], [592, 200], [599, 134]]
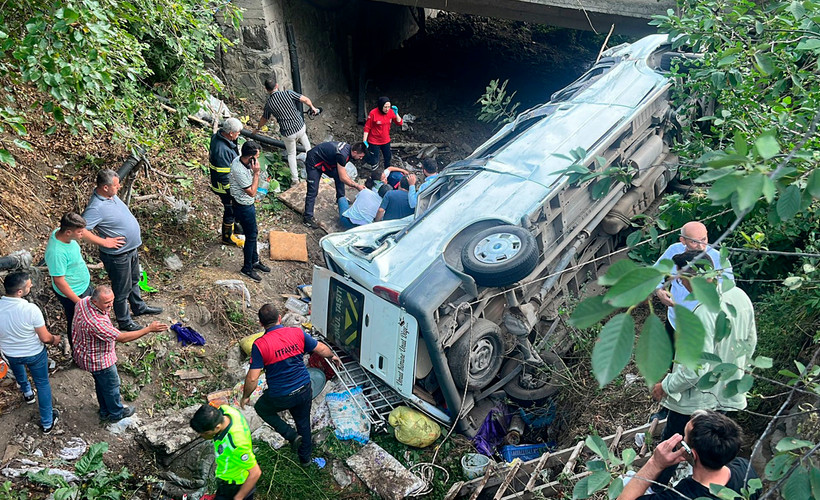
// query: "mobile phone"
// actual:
[[690, 457]]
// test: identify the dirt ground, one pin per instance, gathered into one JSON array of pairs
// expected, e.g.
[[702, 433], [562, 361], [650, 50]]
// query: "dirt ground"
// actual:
[[57, 176]]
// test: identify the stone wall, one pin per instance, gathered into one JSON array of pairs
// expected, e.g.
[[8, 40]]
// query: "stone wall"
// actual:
[[331, 39]]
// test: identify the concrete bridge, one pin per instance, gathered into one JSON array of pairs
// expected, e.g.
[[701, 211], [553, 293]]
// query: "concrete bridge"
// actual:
[[628, 16]]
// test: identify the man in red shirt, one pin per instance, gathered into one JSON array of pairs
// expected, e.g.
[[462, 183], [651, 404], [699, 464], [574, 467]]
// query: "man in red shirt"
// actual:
[[95, 339], [280, 352]]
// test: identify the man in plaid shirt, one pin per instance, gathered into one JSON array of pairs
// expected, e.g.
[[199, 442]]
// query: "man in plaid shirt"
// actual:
[[95, 339]]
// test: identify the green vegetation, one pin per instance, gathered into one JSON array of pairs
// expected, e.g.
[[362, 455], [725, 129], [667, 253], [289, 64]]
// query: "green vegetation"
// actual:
[[98, 64], [97, 481], [752, 155], [496, 104]]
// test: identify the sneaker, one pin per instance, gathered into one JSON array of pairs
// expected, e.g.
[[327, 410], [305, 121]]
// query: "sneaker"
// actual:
[[238, 240], [30, 399], [310, 222], [127, 411], [261, 267], [252, 274], [55, 417]]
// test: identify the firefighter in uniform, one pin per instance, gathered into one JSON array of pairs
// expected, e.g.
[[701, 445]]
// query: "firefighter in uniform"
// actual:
[[223, 150], [236, 469]]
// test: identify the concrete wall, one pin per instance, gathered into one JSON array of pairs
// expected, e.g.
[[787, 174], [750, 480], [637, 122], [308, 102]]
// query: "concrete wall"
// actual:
[[331, 39]]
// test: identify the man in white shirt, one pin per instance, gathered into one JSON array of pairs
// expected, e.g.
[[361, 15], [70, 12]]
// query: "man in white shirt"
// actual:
[[22, 334]]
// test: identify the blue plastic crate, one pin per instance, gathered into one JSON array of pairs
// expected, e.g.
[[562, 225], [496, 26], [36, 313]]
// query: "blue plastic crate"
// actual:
[[523, 451]]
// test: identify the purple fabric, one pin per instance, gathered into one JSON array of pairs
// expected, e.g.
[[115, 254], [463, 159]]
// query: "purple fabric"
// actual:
[[186, 335], [492, 430]]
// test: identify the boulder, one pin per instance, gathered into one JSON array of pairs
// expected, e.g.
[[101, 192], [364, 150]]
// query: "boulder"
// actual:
[[382, 473]]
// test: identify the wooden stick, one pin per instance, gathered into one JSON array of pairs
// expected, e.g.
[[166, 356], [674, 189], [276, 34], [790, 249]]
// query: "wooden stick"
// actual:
[[145, 197], [538, 467], [651, 432], [169, 176], [570, 466], [487, 473], [616, 439], [507, 481], [603, 47]]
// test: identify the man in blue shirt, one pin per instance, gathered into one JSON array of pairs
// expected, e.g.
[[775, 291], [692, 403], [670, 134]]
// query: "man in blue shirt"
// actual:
[[280, 352], [430, 168], [396, 203], [119, 239]]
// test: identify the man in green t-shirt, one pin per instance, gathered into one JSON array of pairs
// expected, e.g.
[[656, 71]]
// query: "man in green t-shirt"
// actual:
[[236, 469], [69, 273]]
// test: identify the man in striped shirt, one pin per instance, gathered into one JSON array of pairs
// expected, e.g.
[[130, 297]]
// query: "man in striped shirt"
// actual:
[[95, 339], [282, 105]]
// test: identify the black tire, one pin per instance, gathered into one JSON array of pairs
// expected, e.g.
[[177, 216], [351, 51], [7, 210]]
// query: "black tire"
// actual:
[[547, 384], [476, 357], [500, 255]]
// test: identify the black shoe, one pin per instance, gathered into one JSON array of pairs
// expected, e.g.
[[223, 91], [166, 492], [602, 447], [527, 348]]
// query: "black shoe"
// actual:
[[148, 310], [30, 400], [294, 445], [55, 417], [261, 267], [127, 411], [131, 326], [252, 274], [310, 222]]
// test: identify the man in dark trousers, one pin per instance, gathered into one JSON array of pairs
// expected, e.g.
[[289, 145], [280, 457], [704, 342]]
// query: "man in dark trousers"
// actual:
[[710, 443], [280, 352], [119, 239], [223, 151], [329, 158], [245, 175]]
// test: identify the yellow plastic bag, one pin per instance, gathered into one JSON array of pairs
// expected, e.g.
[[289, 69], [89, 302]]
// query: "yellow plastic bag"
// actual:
[[413, 428], [246, 343]]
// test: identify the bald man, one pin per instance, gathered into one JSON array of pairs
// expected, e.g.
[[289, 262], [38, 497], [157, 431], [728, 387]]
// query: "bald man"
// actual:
[[693, 236]]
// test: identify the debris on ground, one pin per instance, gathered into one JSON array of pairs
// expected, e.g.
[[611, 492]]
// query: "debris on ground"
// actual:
[[28, 466], [123, 425], [173, 262], [382, 473], [288, 246], [73, 449], [239, 286]]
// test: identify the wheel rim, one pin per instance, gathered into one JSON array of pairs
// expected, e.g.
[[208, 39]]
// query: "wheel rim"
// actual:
[[497, 247], [481, 357]]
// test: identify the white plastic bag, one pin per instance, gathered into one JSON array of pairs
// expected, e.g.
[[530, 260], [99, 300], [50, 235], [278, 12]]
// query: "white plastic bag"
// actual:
[[346, 411]]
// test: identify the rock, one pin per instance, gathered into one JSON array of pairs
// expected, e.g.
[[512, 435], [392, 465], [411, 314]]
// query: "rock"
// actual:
[[235, 366], [189, 469], [382, 473], [270, 436], [173, 262], [341, 474], [168, 434]]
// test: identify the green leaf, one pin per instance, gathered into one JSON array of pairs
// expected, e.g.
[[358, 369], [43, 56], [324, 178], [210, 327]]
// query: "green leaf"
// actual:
[[762, 362], [814, 480], [710, 357], [688, 346], [768, 189], [598, 481], [613, 349], [92, 460], [598, 446], [590, 312], [810, 44], [596, 465], [616, 271], [653, 355], [750, 188], [722, 492], [633, 287], [813, 183], [44, 477], [745, 383], [790, 443], [764, 63], [713, 175], [7, 158], [723, 188], [777, 467], [789, 202], [722, 326], [615, 489], [797, 487], [579, 491], [705, 293], [600, 188], [766, 145], [22, 144], [629, 456]]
